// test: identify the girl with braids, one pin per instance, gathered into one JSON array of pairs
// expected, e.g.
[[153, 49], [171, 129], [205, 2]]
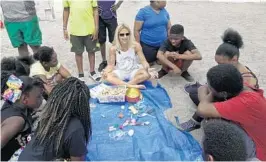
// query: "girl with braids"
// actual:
[[227, 53], [65, 126], [22, 95], [48, 68]]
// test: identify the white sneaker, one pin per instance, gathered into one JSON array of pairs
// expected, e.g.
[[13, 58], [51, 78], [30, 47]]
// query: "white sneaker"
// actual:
[[82, 79], [96, 77]]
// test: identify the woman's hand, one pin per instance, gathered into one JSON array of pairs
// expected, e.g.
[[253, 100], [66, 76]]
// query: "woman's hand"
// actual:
[[106, 71]]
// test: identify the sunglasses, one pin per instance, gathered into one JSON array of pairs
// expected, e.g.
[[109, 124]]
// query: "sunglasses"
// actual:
[[124, 34]]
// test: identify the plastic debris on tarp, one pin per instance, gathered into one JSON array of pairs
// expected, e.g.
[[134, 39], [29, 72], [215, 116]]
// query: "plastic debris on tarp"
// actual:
[[150, 137]]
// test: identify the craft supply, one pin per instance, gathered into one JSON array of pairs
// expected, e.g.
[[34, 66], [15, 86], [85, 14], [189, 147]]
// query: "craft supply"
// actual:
[[94, 92], [145, 114], [149, 111], [133, 110], [126, 123], [146, 123], [143, 123], [121, 115], [133, 95], [112, 128], [117, 135], [122, 107], [133, 121], [130, 132], [93, 102], [102, 115], [112, 94]]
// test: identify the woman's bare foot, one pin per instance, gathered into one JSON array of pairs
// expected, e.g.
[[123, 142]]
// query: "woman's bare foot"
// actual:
[[137, 86]]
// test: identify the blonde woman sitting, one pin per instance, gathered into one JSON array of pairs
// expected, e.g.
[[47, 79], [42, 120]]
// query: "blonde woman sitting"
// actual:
[[126, 61]]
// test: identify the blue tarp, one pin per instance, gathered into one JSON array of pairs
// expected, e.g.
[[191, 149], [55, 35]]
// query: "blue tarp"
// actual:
[[160, 140]]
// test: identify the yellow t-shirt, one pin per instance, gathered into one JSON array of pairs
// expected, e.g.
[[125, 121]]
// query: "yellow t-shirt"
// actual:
[[81, 21], [37, 69]]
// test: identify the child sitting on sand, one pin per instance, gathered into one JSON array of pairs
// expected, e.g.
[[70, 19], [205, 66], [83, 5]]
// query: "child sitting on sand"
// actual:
[[48, 68]]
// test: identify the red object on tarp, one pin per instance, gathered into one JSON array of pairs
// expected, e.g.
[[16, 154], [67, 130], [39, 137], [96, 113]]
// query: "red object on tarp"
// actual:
[[1, 24]]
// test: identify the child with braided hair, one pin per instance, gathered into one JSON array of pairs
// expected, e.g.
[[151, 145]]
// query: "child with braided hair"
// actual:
[[22, 95], [65, 125]]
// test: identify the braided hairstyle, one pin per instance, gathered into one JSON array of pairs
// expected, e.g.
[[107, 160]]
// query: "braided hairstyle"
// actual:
[[68, 99], [232, 42]]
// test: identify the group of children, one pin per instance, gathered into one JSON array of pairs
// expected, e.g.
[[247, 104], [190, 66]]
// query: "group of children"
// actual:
[[64, 127], [232, 93]]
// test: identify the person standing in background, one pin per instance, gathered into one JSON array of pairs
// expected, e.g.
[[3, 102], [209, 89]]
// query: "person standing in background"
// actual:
[[151, 28], [107, 19], [22, 25], [84, 24]]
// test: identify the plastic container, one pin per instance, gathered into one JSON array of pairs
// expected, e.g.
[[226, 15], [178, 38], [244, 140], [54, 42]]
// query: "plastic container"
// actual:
[[93, 102], [133, 95], [112, 94]]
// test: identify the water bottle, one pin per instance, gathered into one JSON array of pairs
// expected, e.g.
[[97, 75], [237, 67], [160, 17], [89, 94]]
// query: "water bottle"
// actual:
[[93, 102]]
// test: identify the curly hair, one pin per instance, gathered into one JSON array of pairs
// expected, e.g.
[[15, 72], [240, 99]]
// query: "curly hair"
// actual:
[[225, 78], [44, 54], [224, 141], [68, 99], [17, 65], [232, 42]]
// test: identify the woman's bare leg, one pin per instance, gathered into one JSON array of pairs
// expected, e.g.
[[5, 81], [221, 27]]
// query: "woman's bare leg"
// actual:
[[113, 79], [141, 76]]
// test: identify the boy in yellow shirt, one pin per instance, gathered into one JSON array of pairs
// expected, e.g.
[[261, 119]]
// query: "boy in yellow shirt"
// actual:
[[83, 24]]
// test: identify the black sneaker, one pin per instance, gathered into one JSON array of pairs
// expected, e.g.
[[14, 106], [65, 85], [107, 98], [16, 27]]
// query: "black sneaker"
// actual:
[[102, 66], [81, 75], [192, 87], [161, 73], [187, 76], [190, 125]]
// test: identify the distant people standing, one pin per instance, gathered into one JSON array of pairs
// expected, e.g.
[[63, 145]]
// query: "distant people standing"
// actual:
[[107, 19], [84, 24], [151, 27], [22, 25]]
